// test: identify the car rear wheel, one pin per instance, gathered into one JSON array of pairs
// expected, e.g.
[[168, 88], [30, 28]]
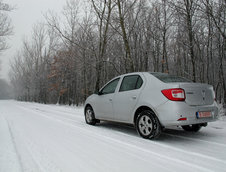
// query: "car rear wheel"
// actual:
[[89, 116], [194, 127], [147, 125]]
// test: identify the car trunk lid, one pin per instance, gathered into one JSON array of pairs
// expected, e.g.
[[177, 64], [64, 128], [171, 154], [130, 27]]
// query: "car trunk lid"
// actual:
[[198, 93]]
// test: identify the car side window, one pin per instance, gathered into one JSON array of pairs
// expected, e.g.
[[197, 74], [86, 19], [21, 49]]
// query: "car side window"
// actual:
[[139, 82], [110, 88], [131, 82]]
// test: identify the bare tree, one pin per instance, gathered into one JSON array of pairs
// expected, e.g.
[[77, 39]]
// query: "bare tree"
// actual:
[[187, 10], [165, 23], [103, 10], [6, 28], [5, 24], [122, 10], [216, 10]]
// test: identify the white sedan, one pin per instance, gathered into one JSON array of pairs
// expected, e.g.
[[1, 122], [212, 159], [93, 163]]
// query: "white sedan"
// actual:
[[152, 101]]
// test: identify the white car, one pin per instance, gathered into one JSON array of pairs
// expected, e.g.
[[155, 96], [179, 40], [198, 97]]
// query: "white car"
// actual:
[[152, 101]]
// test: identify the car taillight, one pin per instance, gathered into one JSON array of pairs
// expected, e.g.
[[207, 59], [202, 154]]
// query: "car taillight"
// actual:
[[174, 94]]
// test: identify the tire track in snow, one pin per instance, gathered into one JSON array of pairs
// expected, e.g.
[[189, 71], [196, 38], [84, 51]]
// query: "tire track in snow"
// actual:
[[57, 110], [101, 136], [182, 150], [14, 144], [195, 139], [28, 150], [35, 152]]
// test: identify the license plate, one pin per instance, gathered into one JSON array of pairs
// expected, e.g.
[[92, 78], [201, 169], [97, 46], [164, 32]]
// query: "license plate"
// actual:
[[203, 114]]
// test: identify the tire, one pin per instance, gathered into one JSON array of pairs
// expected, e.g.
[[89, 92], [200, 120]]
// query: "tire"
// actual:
[[90, 116], [192, 128], [147, 125]]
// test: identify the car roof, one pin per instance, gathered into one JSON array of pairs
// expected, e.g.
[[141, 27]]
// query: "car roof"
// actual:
[[137, 73], [132, 73]]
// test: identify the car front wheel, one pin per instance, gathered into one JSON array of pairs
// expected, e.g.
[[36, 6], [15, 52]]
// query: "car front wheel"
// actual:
[[89, 116], [147, 125]]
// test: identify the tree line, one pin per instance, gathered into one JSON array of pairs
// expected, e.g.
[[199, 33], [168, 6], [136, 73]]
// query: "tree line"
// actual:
[[73, 53], [5, 26]]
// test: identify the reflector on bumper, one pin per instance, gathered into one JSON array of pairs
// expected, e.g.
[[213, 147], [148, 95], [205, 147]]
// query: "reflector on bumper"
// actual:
[[182, 119]]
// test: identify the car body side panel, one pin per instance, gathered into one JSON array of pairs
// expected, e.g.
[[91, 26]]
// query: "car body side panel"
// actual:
[[125, 101], [103, 106]]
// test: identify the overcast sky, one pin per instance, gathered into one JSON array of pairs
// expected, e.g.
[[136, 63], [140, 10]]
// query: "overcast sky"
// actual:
[[26, 14]]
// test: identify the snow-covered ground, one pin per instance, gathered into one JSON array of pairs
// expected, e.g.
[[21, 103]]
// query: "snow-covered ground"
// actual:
[[50, 138]]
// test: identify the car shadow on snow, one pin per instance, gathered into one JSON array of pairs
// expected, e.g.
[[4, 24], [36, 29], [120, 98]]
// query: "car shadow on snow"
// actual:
[[178, 134], [169, 134], [119, 127]]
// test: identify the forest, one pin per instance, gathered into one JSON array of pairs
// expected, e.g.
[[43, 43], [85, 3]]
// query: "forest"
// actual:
[[75, 51]]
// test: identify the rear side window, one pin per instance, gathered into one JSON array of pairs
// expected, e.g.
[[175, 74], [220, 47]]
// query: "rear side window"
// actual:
[[131, 83], [169, 78], [139, 82]]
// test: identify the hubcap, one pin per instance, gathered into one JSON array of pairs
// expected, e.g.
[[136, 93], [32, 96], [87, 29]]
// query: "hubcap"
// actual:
[[89, 116], [145, 125]]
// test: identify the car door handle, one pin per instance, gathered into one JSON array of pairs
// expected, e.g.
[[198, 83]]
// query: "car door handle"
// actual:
[[134, 97], [110, 100]]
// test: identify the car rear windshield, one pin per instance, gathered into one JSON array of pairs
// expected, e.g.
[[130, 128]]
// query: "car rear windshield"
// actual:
[[169, 78]]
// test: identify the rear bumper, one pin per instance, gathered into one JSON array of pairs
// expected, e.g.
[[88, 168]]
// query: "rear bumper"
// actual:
[[170, 112]]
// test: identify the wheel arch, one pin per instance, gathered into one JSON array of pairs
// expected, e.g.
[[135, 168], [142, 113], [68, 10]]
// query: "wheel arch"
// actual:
[[139, 110], [87, 105]]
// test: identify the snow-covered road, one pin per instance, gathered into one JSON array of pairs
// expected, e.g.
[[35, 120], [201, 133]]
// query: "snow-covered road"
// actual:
[[50, 138]]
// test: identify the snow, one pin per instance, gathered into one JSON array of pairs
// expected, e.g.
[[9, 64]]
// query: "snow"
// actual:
[[49, 138]]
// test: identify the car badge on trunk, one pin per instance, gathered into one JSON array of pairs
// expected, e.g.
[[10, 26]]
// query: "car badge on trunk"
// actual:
[[203, 94]]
